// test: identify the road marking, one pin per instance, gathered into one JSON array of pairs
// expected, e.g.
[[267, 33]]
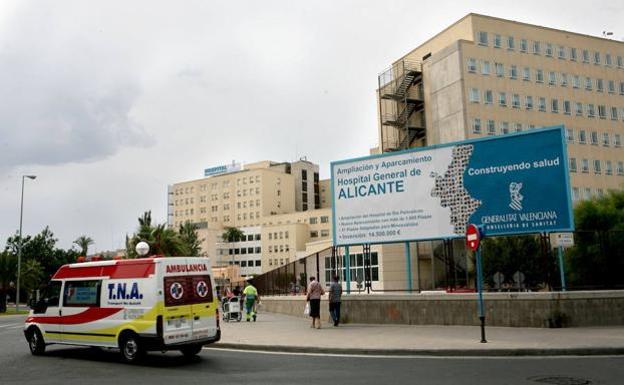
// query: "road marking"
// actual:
[[7, 325], [17, 327], [410, 356]]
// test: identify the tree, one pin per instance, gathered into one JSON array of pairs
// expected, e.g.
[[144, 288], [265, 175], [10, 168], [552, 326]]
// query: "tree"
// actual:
[[597, 259], [83, 242], [32, 275], [161, 239], [190, 239], [8, 274], [231, 235], [510, 254]]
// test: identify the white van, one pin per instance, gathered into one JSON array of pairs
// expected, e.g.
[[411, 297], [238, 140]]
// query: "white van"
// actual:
[[137, 305]]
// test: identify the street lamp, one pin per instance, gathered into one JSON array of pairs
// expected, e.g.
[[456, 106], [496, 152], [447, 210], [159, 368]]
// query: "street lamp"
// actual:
[[19, 246]]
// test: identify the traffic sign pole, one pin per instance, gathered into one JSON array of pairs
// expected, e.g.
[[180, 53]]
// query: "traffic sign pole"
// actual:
[[480, 291], [561, 268]]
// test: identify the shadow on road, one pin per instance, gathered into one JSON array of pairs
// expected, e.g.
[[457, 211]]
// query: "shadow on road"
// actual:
[[153, 359]]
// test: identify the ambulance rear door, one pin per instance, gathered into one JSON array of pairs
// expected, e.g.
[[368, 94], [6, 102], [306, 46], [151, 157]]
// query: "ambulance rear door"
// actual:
[[204, 305], [178, 297]]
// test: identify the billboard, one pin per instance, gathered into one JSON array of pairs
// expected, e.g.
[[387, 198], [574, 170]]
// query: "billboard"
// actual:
[[216, 170], [511, 184]]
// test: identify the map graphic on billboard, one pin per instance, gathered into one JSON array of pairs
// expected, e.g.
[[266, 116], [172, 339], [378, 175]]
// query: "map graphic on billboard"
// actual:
[[508, 184]]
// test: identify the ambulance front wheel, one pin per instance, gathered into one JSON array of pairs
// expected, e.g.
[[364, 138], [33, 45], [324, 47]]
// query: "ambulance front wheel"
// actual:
[[35, 342], [190, 351], [131, 347]]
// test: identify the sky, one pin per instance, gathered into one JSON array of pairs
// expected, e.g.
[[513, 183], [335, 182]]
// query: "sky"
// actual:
[[108, 102]]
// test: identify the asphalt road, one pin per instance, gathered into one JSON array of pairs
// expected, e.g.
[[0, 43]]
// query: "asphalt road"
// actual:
[[69, 365]]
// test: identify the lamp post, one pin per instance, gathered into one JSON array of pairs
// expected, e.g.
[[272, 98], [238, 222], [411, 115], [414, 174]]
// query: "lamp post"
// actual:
[[19, 248]]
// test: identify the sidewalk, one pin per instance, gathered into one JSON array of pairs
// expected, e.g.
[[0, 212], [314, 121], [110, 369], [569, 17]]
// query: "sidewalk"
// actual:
[[276, 332]]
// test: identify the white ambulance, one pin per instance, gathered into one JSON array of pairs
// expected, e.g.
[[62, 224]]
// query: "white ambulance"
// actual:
[[137, 305]]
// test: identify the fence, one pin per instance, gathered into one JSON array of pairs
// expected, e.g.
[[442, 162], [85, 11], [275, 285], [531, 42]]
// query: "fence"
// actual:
[[518, 263]]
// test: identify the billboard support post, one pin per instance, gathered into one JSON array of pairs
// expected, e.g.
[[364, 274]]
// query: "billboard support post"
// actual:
[[347, 265], [561, 268], [480, 291], [408, 266]]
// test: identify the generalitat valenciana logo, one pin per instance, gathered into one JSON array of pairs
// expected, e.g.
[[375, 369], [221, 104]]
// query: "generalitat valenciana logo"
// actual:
[[515, 196]]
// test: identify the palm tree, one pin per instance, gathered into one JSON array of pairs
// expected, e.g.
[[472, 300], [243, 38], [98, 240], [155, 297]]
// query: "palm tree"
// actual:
[[32, 275], [190, 239], [231, 235], [83, 242]]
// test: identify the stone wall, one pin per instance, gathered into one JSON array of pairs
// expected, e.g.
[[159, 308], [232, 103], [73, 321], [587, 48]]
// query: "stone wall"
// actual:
[[570, 309]]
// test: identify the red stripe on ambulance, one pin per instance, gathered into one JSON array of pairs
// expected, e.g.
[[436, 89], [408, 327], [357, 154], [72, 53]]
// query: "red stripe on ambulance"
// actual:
[[89, 315], [120, 270]]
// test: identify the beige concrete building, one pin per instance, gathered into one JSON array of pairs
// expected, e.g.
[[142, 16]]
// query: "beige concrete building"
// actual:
[[277, 205], [488, 76]]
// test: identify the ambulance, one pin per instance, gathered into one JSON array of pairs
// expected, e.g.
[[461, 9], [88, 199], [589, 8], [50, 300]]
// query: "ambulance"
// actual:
[[136, 305]]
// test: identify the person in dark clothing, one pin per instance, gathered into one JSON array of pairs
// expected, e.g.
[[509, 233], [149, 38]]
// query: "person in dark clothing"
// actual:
[[335, 293]]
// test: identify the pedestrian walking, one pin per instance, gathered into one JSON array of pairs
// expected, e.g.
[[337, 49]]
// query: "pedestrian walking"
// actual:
[[315, 291], [335, 293], [251, 297]]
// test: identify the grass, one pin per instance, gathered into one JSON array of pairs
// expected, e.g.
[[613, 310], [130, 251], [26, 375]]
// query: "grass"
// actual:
[[11, 311]]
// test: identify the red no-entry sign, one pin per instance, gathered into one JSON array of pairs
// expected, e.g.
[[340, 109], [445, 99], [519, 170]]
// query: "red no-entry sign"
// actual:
[[473, 236]]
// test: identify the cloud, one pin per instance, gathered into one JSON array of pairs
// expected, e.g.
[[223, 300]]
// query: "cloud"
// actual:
[[64, 100]]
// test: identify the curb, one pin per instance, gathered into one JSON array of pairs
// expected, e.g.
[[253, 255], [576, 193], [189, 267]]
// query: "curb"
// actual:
[[523, 352]]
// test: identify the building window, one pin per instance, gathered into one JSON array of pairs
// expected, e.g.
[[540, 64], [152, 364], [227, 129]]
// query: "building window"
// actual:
[[575, 193], [599, 85], [576, 81], [513, 72], [561, 52], [573, 54], [614, 113], [585, 56], [620, 62], [554, 106], [487, 97], [564, 79], [523, 45], [472, 67], [605, 139], [608, 168], [570, 135], [313, 220], [485, 68], [567, 109], [504, 128], [515, 101], [497, 41], [491, 127], [324, 219], [474, 95], [549, 50], [542, 104], [500, 69], [591, 111], [313, 234], [585, 166], [582, 137], [511, 44], [579, 109], [552, 78], [588, 84], [602, 111], [518, 127], [594, 138], [539, 76], [528, 102], [611, 85], [572, 164], [620, 167], [597, 167], [617, 142], [502, 99], [526, 74], [483, 38], [621, 88], [596, 57], [536, 48]]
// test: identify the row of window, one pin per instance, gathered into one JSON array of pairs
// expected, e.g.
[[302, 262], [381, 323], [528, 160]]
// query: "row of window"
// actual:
[[282, 261], [553, 78], [594, 138], [279, 249], [597, 166], [550, 50], [241, 250], [541, 104], [314, 220], [216, 185], [587, 193], [315, 234], [282, 235], [335, 265], [249, 263]]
